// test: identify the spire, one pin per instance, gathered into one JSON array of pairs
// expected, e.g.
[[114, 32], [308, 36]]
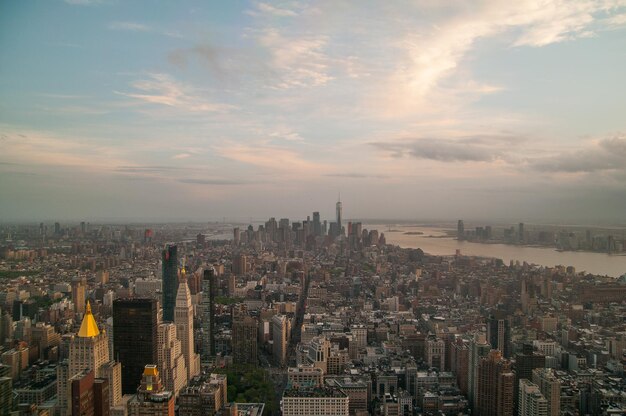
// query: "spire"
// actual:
[[89, 328], [183, 295]]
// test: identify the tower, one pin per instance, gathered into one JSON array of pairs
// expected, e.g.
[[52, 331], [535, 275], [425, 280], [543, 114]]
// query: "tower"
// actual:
[[183, 318], [151, 398], [478, 348], [550, 387], [499, 334], [208, 313], [135, 322], [339, 210], [279, 335], [170, 281]]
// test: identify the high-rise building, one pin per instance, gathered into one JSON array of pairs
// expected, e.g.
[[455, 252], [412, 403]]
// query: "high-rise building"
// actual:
[[531, 401], [435, 350], [240, 264], [89, 349], [339, 211], [499, 334], [135, 327], [171, 360], [460, 230], [170, 281], [183, 318], [526, 361], [279, 336], [478, 348], [317, 224], [208, 312], [520, 232], [495, 384], [151, 398], [245, 340], [79, 286], [550, 387]]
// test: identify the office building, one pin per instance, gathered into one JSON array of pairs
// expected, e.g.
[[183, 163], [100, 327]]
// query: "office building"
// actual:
[[90, 395], [209, 283], [531, 401], [183, 318], [280, 339], [151, 398], [494, 386], [135, 328], [89, 349], [339, 212], [478, 348], [171, 360], [499, 334], [315, 401], [550, 387], [244, 342], [169, 260], [79, 286]]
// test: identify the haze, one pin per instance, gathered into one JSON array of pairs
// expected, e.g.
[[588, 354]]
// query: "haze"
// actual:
[[204, 110]]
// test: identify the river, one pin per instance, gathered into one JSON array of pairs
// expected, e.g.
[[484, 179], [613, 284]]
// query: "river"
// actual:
[[596, 263]]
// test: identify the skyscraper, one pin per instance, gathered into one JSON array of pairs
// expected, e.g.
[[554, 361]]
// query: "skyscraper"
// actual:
[[550, 387], [479, 347], [499, 334], [151, 398], [339, 210], [170, 281], [495, 383], [183, 318], [317, 225], [89, 348], [135, 323], [208, 313], [171, 360], [460, 230]]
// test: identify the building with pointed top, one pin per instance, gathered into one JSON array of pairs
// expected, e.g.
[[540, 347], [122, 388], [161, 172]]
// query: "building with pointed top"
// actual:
[[89, 349], [183, 318]]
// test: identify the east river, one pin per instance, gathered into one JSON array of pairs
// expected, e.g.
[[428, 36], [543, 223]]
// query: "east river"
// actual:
[[435, 241]]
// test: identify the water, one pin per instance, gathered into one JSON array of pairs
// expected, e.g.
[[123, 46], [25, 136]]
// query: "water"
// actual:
[[596, 263]]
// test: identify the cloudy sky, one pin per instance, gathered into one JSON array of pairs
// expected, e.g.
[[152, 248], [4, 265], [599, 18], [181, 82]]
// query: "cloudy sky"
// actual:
[[512, 110]]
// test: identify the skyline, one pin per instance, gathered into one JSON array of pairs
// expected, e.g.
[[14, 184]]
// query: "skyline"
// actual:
[[195, 111]]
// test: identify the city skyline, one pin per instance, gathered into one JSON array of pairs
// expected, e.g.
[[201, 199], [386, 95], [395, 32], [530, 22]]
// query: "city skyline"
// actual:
[[474, 110]]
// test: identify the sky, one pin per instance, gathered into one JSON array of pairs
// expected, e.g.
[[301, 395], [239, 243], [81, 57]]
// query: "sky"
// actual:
[[205, 110]]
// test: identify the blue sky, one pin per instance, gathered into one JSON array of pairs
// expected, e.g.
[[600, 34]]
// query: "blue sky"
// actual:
[[238, 109]]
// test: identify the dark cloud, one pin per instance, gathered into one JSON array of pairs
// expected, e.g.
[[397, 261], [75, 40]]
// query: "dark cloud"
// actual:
[[213, 181], [607, 155], [467, 149], [356, 176]]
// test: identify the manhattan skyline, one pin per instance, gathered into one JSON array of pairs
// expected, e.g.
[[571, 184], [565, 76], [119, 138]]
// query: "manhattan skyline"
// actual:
[[412, 110]]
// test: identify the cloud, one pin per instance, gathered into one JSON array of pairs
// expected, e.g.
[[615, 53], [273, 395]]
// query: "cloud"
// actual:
[[608, 154], [213, 181], [271, 158], [181, 156], [268, 9], [356, 176], [163, 90], [130, 26], [479, 148]]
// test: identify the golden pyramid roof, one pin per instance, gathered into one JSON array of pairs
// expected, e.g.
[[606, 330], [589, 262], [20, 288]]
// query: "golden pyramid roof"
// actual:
[[88, 328]]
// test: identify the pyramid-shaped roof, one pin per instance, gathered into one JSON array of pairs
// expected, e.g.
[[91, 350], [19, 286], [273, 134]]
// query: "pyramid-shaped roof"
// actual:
[[88, 328]]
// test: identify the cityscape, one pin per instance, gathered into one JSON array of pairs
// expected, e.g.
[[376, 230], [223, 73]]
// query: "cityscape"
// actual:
[[312, 208]]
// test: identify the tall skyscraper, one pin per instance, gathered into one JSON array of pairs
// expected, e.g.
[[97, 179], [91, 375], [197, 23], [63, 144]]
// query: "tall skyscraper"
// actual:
[[79, 286], [245, 330], [317, 224], [339, 210], [460, 230], [183, 318], [531, 401], [208, 312], [495, 384], [135, 327], [170, 281]]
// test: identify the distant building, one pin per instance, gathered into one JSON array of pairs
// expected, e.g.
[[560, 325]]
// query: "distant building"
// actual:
[[495, 386], [244, 340], [316, 401], [183, 318], [209, 288]]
